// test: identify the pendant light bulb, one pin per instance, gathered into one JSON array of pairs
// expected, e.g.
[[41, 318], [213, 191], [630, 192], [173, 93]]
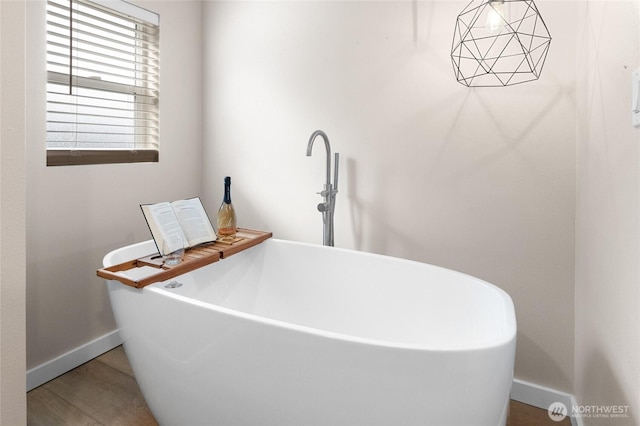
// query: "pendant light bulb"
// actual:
[[496, 17]]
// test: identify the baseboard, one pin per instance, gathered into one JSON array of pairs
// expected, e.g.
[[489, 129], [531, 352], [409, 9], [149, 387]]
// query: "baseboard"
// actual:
[[543, 397], [68, 361]]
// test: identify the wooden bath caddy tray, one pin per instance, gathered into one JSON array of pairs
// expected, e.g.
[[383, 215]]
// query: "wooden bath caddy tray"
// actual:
[[194, 258]]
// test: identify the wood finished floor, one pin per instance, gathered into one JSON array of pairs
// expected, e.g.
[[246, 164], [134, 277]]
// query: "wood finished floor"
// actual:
[[104, 392]]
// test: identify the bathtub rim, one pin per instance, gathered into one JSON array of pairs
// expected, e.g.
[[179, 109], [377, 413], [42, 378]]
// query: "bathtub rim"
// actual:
[[510, 334]]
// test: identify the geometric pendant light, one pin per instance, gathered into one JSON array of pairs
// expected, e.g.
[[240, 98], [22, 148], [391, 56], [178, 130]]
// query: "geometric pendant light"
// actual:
[[499, 43]]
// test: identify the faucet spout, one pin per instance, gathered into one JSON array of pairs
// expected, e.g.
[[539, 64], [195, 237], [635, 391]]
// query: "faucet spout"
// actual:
[[324, 137], [329, 193]]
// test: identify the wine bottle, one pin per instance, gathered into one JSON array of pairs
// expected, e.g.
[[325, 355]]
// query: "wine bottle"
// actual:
[[227, 225]]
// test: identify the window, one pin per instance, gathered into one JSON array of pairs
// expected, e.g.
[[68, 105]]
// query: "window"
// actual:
[[102, 83]]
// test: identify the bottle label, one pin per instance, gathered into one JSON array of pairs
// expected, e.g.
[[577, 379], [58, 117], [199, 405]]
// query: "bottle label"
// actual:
[[227, 194]]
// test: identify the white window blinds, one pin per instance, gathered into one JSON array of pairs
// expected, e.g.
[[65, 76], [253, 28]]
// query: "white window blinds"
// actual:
[[102, 82]]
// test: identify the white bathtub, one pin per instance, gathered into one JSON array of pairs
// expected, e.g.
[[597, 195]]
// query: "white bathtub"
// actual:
[[296, 334]]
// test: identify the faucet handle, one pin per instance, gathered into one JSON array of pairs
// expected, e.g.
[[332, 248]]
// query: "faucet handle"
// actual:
[[323, 207], [325, 192]]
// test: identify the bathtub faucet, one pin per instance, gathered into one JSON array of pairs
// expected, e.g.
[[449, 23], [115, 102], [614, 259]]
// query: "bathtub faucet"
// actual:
[[330, 190]]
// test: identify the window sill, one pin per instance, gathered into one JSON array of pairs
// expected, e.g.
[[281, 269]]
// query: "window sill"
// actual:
[[77, 157]]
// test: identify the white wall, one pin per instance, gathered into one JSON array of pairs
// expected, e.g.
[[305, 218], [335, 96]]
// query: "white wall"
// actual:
[[607, 287], [12, 211], [478, 180], [76, 214]]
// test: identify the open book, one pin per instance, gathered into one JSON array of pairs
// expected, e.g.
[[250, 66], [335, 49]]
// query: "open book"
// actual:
[[186, 218]]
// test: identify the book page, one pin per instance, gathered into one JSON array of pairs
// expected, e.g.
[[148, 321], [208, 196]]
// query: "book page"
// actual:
[[194, 220], [162, 222]]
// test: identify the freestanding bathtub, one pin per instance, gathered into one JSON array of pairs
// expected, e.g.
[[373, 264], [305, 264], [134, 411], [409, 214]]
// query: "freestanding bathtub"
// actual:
[[289, 333]]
